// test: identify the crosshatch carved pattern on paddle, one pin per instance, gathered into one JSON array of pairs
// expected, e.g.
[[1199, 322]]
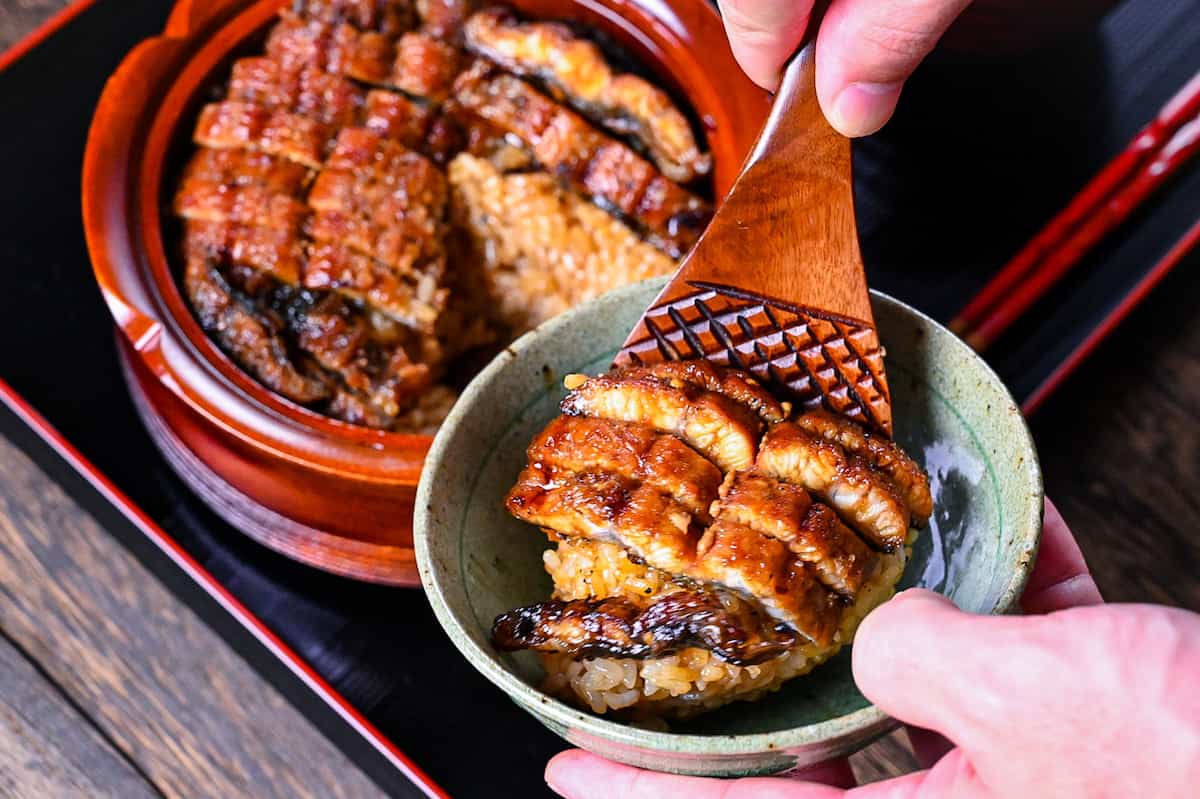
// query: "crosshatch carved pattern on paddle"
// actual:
[[813, 357]]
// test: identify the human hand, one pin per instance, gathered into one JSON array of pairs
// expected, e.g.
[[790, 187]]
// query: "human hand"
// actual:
[[1081, 700], [866, 49]]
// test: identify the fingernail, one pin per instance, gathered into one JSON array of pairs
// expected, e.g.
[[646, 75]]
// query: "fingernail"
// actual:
[[862, 108], [548, 776], [922, 595]]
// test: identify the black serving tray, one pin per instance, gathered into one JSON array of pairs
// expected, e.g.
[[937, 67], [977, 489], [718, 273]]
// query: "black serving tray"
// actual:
[[980, 155]]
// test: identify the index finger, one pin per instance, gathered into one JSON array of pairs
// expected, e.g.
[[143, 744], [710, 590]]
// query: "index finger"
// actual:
[[763, 34], [1061, 578]]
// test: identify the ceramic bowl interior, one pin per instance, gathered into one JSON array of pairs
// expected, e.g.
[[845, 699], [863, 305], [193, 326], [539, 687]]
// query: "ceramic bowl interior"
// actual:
[[951, 413]]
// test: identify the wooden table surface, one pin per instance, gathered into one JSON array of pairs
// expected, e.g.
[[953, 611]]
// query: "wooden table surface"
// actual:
[[109, 686]]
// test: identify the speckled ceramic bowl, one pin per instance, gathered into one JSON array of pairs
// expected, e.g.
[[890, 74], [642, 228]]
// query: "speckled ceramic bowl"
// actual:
[[951, 413]]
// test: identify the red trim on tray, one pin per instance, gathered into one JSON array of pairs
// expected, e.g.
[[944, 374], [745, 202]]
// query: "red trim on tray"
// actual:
[[196, 572], [43, 32], [1131, 300]]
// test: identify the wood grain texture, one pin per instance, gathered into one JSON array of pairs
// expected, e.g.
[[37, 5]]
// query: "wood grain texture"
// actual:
[[890, 756], [159, 683], [776, 285], [1120, 447], [18, 17], [787, 228], [50, 749]]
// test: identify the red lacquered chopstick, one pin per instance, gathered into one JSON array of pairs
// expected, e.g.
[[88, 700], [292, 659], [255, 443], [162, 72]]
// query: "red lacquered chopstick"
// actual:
[[1187, 244], [1149, 160]]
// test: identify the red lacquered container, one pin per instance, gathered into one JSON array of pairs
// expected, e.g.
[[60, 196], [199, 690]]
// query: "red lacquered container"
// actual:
[[330, 494]]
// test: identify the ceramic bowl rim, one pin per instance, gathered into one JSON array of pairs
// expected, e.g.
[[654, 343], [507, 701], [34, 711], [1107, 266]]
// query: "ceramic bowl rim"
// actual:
[[866, 721]]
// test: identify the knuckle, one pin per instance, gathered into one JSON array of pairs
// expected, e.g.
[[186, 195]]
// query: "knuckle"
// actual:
[[748, 26], [766, 22], [898, 41]]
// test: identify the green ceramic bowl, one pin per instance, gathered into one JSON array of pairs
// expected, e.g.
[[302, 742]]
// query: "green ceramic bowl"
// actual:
[[951, 413]]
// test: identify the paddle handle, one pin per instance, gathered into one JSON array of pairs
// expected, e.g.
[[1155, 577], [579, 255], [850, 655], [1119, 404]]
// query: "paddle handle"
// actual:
[[776, 285]]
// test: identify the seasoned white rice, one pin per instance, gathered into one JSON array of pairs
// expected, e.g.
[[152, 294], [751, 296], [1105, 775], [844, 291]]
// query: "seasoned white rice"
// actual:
[[427, 415], [543, 249], [692, 680]]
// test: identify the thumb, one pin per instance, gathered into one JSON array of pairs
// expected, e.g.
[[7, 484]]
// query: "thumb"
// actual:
[[1078, 702], [971, 678], [866, 49]]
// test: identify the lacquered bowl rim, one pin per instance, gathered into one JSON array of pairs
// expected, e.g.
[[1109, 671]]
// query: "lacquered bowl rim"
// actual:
[[865, 722], [323, 443]]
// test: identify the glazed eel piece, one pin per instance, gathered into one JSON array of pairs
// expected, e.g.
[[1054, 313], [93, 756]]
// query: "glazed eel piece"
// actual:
[[380, 382], [244, 207], [414, 303], [810, 530], [381, 199], [249, 338], [659, 531], [246, 307], [300, 88], [591, 162], [738, 386], [882, 453], [575, 69], [785, 533], [864, 496], [718, 621], [236, 125], [413, 61], [388, 17], [635, 452], [272, 251], [298, 42], [239, 168], [723, 430]]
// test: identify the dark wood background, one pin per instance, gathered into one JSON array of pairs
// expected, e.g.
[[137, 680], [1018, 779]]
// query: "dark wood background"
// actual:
[[109, 686]]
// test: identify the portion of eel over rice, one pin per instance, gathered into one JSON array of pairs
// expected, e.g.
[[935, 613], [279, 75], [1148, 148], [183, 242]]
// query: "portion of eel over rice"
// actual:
[[393, 189], [709, 543]]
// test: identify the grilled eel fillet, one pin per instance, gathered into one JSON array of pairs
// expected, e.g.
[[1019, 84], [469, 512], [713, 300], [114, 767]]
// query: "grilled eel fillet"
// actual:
[[310, 171], [576, 69], [415, 62], [657, 530], [711, 423], [718, 621], [590, 162], [273, 190], [273, 252], [864, 496], [374, 198], [882, 453], [302, 88], [245, 335], [769, 537], [579, 444], [389, 17], [810, 530]]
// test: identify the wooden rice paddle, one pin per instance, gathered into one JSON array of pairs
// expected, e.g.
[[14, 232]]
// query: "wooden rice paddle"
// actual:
[[775, 285]]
